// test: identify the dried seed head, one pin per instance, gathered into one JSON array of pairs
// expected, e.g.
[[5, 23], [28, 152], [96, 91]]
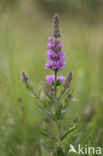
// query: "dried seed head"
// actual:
[[56, 26]]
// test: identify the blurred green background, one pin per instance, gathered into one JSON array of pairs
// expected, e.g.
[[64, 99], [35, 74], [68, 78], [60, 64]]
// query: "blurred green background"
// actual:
[[24, 29]]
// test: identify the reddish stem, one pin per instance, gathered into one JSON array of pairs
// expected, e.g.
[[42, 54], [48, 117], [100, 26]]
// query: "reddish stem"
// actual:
[[55, 88]]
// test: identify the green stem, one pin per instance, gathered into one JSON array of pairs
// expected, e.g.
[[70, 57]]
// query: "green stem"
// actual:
[[60, 132]]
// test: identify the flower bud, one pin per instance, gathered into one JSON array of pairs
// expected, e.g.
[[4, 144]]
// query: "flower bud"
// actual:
[[69, 77], [68, 80], [27, 82], [56, 27], [24, 77]]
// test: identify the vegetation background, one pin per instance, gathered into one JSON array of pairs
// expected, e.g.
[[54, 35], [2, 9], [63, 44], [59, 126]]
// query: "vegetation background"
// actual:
[[24, 29]]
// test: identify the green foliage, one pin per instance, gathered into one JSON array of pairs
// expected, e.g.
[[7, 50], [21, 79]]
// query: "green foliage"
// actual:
[[59, 152], [67, 133]]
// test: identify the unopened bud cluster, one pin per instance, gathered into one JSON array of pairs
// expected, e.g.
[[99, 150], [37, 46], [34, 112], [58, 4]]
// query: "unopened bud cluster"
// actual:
[[26, 81], [56, 27], [68, 80]]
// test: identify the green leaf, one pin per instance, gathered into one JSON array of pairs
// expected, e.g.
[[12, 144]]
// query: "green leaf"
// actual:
[[29, 86], [45, 111], [45, 147], [49, 96], [70, 130], [65, 111], [46, 135], [45, 103], [57, 83], [59, 152], [39, 93], [57, 115]]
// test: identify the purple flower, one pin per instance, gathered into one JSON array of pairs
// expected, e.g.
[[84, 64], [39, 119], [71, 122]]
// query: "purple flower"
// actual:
[[55, 55], [61, 78], [60, 45], [56, 58], [51, 45], [51, 79], [55, 65], [50, 39]]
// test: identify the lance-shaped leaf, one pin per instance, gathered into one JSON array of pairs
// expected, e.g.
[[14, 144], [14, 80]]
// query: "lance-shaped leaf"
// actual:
[[45, 111], [65, 111], [57, 116], [70, 130], [46, 135]]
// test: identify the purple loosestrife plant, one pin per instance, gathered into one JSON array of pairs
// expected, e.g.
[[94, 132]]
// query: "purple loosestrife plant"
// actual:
[[55, 105]]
